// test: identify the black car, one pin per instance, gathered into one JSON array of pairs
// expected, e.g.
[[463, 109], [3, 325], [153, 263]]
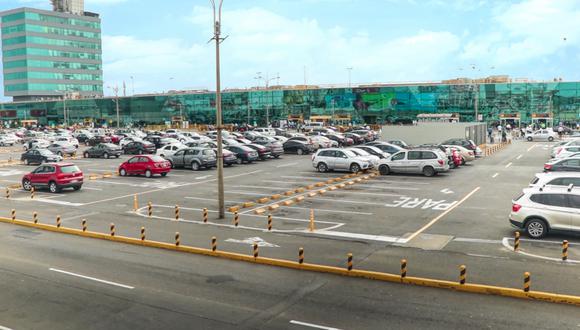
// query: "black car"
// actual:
[[82, 138], [298, 147], [95, 140], [39, 156], [357, 139], [263, 152], [338, 138], [243, 153], [106, 150], [156, 140], [567, 164], [139, 148]]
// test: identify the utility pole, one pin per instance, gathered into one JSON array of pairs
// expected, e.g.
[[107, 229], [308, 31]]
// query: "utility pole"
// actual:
[[217, 20]]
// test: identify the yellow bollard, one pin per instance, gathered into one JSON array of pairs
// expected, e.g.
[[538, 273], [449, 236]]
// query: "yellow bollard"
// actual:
[[462, 272], [112, 229], [13, 214], [58, 221], [205, 215], [301, 256], [177, 239], [236, 218], [311, 225], [213, 243], [7, 193], [269, 222], [34, 217], [32, 193], [403, 268], [255, 250], [149, 209], [527, 281], [349, 261], [565, 250], [176, 212], [517, 241], [142, 233], [84, 224], [135, 203]]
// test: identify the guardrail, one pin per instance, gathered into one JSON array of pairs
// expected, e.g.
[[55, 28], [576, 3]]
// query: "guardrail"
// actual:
[[489, 150]]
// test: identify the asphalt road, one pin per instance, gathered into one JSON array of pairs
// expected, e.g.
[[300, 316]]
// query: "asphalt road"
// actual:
[[435, 223]]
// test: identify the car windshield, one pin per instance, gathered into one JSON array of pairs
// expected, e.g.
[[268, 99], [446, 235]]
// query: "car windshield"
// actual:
[[70, 169]]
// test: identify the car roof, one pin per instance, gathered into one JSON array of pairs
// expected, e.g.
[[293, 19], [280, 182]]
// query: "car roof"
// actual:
[[558, 174], [574, 190]]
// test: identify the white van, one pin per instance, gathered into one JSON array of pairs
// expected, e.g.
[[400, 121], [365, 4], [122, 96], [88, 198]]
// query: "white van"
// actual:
[[265, 131]]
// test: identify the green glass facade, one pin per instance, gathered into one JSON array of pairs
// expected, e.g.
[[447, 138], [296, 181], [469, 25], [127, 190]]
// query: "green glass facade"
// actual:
[[365, 104], [48, 54]]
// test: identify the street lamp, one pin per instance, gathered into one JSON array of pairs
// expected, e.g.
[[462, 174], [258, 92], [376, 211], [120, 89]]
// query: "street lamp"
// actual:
[[217, 20], [116, 91]]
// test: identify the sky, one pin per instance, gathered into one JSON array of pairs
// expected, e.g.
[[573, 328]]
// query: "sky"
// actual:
[[164, 45]]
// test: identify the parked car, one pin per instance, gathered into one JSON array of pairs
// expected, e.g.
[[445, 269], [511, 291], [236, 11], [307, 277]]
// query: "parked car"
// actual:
[[6, 140], [62, 149], [229, 158], [84, 137], [465, 154], [263, 152], [374, 151], [323, 142], [243, 153], [305, 139], [399, 143], [36, 144], [168, 150], [542, 135], [54, 176], [367, 135], [340, 159], [468, 144], [297, 147], [386, 147], [265, 131], [566, 164], [128, 139], [429, 162], [97, 139], [564, 179], [106, 150], [251, 135], [357, 139], [67, 140], [139, 148], [194, 158], [275, 147], [364, 154], [539, 211], [155, 139], [39, 156], [566, 151], [148, 165]]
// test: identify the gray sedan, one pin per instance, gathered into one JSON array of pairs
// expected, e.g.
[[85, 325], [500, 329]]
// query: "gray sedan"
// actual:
[[194, 158], [62, 149]]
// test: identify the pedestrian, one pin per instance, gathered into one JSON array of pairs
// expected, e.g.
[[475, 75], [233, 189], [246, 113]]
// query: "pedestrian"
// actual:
[[560, 131], [504, 136]]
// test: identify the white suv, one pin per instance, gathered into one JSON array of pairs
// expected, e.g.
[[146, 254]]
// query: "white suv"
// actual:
[[541, 210], [339, 159]]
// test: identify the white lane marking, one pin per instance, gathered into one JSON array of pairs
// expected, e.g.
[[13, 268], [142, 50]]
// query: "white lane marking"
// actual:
[[327, 210], [90, 188], [310, 325], [50, 201], [432, 222], [4, 328], [349, 192], [244, 193], [302, 177], [203, 177], [506, 244], [401, 181], [532, 147], [274, 181], [259, 187], [211, 199], [485, 256], [380, 238], [347, 201], [495, 175], [251, 241], [286, 165], [508, 165], [477, 240], [92, 278], [372, 186], [447, 191], [519, 157]]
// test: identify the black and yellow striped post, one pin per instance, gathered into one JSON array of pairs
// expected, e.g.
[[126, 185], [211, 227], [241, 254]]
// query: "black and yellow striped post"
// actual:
[[58, 221], [527, 281], [213, 243], [564, 250], [177, 239], [517, 241], [403, 268], [349, 261], [84, 224], [269, 222], [7, 193], [112, 228], [462, 274], [34, 217], [176, 212], [149, 209], [236, 219], [204, 215], [13, 214], [255, 250], [32, 193], [301, 256], [142, 233]]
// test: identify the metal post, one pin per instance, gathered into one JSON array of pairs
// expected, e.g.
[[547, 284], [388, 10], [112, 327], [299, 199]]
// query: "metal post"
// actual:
[[217, 16]]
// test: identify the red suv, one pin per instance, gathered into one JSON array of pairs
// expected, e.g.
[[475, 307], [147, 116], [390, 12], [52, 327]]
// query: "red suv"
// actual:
[[54, 176], [148, 165]]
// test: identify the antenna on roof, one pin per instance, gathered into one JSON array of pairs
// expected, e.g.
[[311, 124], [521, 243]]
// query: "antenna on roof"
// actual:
[[570, 187]]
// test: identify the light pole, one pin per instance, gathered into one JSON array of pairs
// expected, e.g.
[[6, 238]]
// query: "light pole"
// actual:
[[217, 20], [116, 91]]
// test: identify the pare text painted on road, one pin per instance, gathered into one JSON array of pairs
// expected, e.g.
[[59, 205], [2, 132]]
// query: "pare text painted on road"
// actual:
[[422, 203]]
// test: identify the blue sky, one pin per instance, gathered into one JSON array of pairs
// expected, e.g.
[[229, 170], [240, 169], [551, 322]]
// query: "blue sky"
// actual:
[[163, 44]]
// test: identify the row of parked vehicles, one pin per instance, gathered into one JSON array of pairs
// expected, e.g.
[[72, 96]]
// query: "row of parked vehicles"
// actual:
[[551, 202]]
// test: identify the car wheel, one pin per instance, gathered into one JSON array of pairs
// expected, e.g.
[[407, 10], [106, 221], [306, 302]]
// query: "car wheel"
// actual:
[[384, 169], [53, 187], [164, 174], [530, 138], [122, 172], [550, 139], [26, 162], [354, 168], [59, 153], [322, 167], [428, 171], [239, 161], [106, 155], [195, 166], [77, 188], [300, 152], [148, 174], [462, 161], [536, 228], [117, 156], [26, 185], [86, 155]]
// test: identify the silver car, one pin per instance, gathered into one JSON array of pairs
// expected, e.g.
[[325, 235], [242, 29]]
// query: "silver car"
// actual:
[[541, 210], [426, 161], [62, 149], [339, 159], [194, 158]]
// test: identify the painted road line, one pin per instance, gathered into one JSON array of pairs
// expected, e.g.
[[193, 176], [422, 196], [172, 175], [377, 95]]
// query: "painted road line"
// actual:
[[378, 187], [260, 187], [346, 201], [379, 179], [495, 175], [311, 325], [532, 147], [439, 217], [485, 256], [50, 201], [203, 177], [274, 181], [92, 278], [211, 199], [477, 240], [506, 244], [90, 188], [245, 193], [302, 177], [379, 238], [350, 192], [4, 328], [286, 165], [80, 216], [508, 165], [519, 157], [327, 210]]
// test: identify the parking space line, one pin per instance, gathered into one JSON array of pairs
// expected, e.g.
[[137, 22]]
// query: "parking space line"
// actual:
[[532, 147], [286, 165], [311, 325], [282, 182], [519, 157], [211, 199], [508, 165], [440, 216], [92, 278], [259, 187], [402, 181], [350, 192], [326, 210], [377, 187], [346, 201], [495, 175]]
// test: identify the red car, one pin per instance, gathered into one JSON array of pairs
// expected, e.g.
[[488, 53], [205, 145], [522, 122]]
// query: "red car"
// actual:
[[54, 176], [147, 165]]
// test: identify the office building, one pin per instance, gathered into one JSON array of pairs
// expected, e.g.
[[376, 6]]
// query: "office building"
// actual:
[[76, 7]]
